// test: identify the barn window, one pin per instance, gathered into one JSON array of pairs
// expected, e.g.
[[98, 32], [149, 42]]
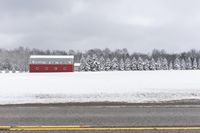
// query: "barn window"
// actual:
[[64, 68], [37, 68], [55, 68], [46, 68]]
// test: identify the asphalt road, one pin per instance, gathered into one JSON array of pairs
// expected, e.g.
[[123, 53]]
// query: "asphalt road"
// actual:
[[103, 116]]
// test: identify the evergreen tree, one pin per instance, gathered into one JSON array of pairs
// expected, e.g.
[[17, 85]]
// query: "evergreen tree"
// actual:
[[13, 70], [102, 63], [158, 64], [177, 64], [183, 65], [164, 64], [1, 66], [152, 64], [115, 64], [134, 64], [108, 64], [127, 64], [6, 70], [95, 66], [140, 64], [121, 65], [83, 64], [194, 65], [199, 63], [6, 64], [89, 63], [146, 64], [170, 65], [188, 63]]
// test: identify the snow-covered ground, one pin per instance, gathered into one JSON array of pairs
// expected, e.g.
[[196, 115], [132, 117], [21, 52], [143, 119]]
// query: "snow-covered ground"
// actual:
[[131, 86]]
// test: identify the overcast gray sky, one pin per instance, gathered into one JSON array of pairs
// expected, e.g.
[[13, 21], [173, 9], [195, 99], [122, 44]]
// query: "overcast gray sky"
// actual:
[[138, 25]]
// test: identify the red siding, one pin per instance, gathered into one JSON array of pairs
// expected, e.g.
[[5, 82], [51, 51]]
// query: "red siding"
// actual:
[[51, 67]]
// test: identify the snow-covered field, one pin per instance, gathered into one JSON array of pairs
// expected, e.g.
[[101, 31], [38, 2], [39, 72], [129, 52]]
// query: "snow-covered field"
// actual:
[[131, 86]]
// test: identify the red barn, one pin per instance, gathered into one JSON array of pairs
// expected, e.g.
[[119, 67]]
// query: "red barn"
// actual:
[[51, 63]]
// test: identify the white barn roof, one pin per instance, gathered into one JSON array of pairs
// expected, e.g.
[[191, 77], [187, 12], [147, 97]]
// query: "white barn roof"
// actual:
[[77, 64], [51, 56]]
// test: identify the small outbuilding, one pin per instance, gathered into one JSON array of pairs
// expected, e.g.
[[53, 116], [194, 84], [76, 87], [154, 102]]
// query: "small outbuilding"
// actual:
[[77, 66]]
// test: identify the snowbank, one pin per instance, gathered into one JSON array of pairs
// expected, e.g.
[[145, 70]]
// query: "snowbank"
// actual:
[[132, 86]]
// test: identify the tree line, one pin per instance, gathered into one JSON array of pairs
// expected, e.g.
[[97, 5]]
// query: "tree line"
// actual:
[[101, 64], [106, 59]]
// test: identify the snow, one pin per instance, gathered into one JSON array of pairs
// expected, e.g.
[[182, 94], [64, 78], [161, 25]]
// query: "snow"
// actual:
[[52, 56], [115, 86], [77, 64]]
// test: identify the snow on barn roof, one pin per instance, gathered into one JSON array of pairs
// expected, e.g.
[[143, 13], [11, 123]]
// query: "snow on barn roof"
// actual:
[[77, 64], [52, 56]]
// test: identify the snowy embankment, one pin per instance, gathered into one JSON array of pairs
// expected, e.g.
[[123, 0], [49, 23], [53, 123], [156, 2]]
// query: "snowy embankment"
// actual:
[[132, 86]]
